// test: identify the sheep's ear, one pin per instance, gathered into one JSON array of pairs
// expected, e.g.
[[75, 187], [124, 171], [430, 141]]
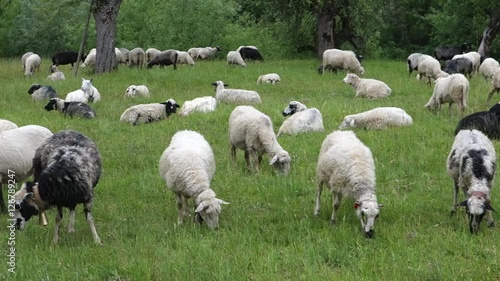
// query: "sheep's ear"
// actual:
[[275, 158], [357, 204], [200, 208], [214, 84], [351, 122], [28, 196], [488, 206], [225, 85], [222, 202], [462, 204], [83, 79]]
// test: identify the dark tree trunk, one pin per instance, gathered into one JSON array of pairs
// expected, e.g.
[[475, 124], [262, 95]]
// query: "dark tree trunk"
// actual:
[[489, 33], [105, 15], [325, 26]]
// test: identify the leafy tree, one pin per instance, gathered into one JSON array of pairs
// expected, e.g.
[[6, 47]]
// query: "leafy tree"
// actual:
[[105, 16]]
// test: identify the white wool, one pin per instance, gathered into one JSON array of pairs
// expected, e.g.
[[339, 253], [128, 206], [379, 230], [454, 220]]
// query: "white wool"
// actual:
[[193, 52], [270, 78], [377, 119], [201, 104], [207, 53], [343, 60], [89, 60], [6, 125], [136, 57], [184, 58], [234, 57], [303, 120], [430, 68], [474, 57], [23, 59], [145, 113], [150, 54], [56, 75], [488, 68], [451, 89], [87, 93], [137, 91], [495, 84], [235, 96], [32, 64], [414, 60], [369, 88]]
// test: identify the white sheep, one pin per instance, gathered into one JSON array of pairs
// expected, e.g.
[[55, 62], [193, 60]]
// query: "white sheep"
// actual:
[[377, 119], [334, 59], [23, 59], [193, 52], [7, 125], [369, 88], [208, 52], [270, 78], [430, 68], [136, 57], [147, 113], [18, 149], [414, 59], [235, 96], [474, 57], [451, 89], [252, 131], [121, 55], [56, 75], [234, 57], [89, 60], [32, 64], [495, 85], [472, 166], [347, 167], [150, 54], [188, 165], [87, 93], [488, 68], [184, 58], [302, 119], [201, 104], [137, 91]]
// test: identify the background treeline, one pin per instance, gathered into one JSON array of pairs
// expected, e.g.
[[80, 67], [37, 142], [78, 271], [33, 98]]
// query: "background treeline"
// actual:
[[281, 29]]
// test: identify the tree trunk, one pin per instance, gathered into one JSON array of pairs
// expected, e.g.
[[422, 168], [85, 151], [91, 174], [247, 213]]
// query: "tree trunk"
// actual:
[[325, 26], [105, 15], [489, 33]]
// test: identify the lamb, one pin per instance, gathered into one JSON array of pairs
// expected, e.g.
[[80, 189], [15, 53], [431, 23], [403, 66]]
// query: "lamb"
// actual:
[[495, 85], [188, 165], [7, 125], [369, 88], [379, 118], [71, 109], [136, 57], [451, 89], [18, 148], [270, 78], [184, 58], [164, 58], [472, 166], [150, 54], [208, 52], [252, 131], [193, 52], [488, 122], [32, 64], [234, 57], [250, 53], [448, 52], [334, 59], [460, 65], [414, 59], [201, 104], [66, 168], [235, 96], [39, 92], [431, 69], [347, 167], [488, 67], [66, 57], [474, 57], [302, 119], [147, 113], [56, 75], [23, 59], [86, 93], [137, 91]]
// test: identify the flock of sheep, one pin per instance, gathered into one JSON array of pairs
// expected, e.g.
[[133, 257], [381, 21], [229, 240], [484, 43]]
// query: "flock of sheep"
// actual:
[[66, 165]]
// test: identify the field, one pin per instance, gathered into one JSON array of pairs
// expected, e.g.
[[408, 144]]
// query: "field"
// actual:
[[268, 232]]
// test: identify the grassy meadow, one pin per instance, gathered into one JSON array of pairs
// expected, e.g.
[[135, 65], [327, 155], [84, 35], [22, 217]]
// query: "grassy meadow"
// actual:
[[268, 232]]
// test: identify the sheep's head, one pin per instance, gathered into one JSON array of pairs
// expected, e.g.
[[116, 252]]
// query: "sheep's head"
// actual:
[[52, 105], [25, 206], [170, 106], [367, 212], [208, 208], [86, 85], [131, 91], [33, 88], [293, 107], [219, 85], [351, 79], [281, 161], [476, 207], [347, 123]]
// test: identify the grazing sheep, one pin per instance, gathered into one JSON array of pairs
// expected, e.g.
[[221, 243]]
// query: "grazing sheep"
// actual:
[[369, 88], [39, 92], [66, 57], [334, 59], [379, 118], [271, 78], [71, 109], [235, 96], [431, 69], [208, 52], [448, 52], [240, 47], [184, 58], [488, 68], [7, 125], [123, 56], [202, 104], [495, 85], [89, 60], [234, 57], [451, 89], [147, 113], [23, 59], [87, 93], [150, 54], [136, 57], [474, 57], [488, 122], [252, 131], [472, 166], [56, 75], [137, 91], [32, 64], [414, 59], [302, 119], [193, 52], [188, 165], [18, 148], [460, 65], [164, 58], [66, 168], [347, 167], [250, 53]]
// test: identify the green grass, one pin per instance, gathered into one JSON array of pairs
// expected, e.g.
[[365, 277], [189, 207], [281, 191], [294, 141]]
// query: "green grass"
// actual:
[[268, 232]]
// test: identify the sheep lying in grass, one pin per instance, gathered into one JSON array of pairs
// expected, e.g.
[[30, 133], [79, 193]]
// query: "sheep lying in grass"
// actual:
[[377, 119], [137, 91], [32, 64], [271, 78], [252, 131], [234, 57], [302, 119], [56, 75], [7, 125], [147, 113], [347, 167], [235, 96], [188, 165], [71, 109], [472, 166], [451, 89], [39, 92], [87, 93], [495, 85], [488, 68], [488, 122], [201, 104], [369, 88], [67, 167], [18, 148]]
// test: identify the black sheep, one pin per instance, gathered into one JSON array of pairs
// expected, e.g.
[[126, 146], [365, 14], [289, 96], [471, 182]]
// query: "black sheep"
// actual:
[[164, 58], [66, 57], [448, 52], [248, 53], [460, 65], [488, 122]]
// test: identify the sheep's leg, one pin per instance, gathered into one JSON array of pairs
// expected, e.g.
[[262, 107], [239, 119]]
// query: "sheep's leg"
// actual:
[[489, 218], [233, 154], [87, 207], [336, 198], [455, 200], [490, 94], [247, 160], [318, 198], [180, 208], [71, 225], [59, 217], [256, 159]]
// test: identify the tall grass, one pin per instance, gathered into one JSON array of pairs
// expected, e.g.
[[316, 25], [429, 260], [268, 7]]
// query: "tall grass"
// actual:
[[268, 232]]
